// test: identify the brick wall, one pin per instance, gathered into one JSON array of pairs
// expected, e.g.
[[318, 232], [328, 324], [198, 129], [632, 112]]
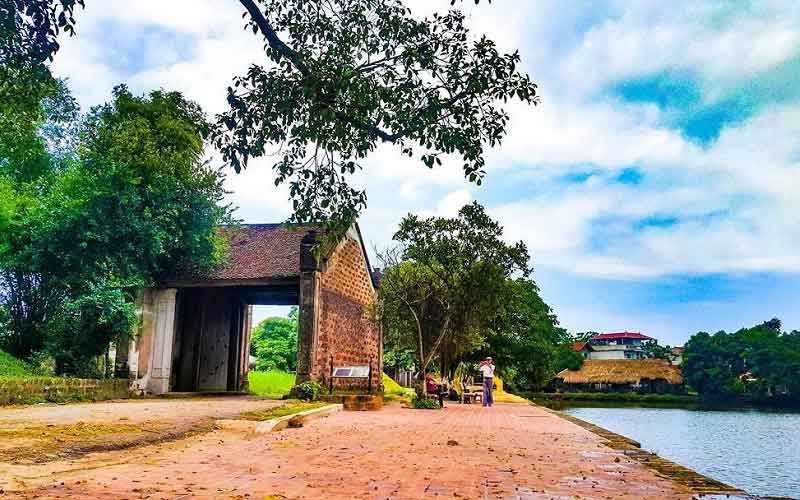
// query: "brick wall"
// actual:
[[57, 390], [346, 334]]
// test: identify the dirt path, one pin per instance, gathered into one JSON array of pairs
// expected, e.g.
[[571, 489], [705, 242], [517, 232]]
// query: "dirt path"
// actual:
[[45, 433], [508, 451]]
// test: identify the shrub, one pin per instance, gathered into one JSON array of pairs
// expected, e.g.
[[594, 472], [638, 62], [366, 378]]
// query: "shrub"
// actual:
[[308, 391], [422, 403]]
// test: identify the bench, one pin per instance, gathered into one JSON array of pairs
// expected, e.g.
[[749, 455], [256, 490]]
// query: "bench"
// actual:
[[468, 395]]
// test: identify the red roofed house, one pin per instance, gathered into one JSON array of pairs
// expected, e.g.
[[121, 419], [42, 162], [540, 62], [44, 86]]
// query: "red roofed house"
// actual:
[[194, 332], [582, 347], [618, 345]]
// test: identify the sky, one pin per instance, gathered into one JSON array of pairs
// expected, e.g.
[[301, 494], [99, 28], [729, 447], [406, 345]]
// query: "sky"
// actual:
[[656, 185]]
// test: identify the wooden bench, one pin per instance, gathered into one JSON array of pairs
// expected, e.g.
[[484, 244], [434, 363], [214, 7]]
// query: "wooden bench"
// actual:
[[468, 395]]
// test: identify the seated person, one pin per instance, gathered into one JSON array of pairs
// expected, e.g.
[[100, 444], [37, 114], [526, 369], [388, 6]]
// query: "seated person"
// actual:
[[433, 388]]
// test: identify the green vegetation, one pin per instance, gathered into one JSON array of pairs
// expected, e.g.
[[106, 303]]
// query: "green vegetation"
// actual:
[[11, 367], [425, 403], [453, 291], [394, 391], [89, 218], [446, 284], [630, 397], [758, 365], [272, 383], [307, 391], [274, 343], [283, 410]]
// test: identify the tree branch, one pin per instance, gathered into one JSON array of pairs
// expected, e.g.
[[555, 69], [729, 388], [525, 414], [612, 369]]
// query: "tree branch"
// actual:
[[272, 38]]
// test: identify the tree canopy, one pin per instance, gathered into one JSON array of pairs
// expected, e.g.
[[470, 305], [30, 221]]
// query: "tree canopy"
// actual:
[[446, 282], [124, 203], [341, 78], [345, 76], [760, 363]]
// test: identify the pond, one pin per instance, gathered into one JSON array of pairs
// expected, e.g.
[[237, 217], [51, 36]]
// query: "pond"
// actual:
[[757, 451]]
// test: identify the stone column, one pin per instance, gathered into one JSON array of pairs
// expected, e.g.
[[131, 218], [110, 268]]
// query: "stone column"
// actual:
[[163, 340], [308, 308]]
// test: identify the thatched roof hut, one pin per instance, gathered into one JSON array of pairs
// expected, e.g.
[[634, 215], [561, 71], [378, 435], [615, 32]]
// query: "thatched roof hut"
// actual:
[[622, 372]]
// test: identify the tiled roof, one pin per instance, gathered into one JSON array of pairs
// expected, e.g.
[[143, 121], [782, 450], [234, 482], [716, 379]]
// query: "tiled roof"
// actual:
[[578, 346], [621, 335], [262, 251]]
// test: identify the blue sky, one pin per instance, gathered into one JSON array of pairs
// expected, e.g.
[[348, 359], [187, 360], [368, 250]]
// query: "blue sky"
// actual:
[[655, 186]]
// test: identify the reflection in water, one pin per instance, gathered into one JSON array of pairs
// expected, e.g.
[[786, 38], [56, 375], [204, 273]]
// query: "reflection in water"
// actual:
[[753, 450]]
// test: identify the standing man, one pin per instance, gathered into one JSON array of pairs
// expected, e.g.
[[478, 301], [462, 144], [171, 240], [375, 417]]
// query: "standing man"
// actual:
[[487, 369]]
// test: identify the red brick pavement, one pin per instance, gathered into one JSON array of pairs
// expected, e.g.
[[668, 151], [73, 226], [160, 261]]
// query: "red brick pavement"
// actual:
[[507, 451]]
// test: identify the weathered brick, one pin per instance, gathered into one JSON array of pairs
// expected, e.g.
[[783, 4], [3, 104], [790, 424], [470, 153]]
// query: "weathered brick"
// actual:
[[347, 335]]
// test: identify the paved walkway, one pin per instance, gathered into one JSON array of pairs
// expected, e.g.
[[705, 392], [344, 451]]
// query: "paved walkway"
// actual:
[[508, 451]]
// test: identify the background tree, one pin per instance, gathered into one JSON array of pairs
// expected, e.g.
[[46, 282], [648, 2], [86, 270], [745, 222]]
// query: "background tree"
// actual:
[[274, 343], [450, 285], [525, 338], [760, 363], [652, 350], [37, 141]]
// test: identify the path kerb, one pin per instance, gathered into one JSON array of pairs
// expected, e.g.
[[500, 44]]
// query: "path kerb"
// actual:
[[277, 424]]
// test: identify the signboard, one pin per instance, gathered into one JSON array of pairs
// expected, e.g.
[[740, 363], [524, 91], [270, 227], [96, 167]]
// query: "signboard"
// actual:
[[351, 372]]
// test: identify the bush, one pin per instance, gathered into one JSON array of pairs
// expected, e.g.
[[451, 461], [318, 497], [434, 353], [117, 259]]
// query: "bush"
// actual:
[[308, 391], [423, 403]]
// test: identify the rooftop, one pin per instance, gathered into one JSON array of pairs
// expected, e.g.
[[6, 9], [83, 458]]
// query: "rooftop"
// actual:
[[621, 335], [622, 371], [262, 251]]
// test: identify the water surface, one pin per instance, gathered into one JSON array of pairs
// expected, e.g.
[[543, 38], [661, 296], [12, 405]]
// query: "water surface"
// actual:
[[753, 450]]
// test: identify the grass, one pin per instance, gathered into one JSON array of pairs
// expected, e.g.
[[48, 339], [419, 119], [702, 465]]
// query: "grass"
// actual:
[[11, 367], [282, 411], [272, 383], [393, 391]]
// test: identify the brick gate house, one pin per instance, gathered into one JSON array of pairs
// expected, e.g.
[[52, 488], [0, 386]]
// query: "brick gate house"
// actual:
[[194, 334]]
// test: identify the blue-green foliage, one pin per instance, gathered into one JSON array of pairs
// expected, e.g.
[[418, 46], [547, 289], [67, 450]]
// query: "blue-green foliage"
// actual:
[[759, 363]]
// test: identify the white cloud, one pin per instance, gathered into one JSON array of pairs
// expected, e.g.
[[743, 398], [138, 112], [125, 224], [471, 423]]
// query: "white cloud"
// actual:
[[748, 177]]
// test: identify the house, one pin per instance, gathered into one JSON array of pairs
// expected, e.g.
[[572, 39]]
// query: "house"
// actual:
[[583, 348], [617, 345], [677, 355], [649, 376], [194, 331]]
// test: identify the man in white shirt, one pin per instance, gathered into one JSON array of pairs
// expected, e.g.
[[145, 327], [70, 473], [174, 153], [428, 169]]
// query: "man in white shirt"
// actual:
[[487, 369]]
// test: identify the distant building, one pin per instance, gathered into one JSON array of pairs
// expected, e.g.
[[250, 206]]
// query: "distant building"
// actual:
[[582, 347], [618, 345], [622, 375], [677, 355]]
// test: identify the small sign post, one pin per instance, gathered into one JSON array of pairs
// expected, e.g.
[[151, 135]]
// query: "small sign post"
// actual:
[[358, 371]]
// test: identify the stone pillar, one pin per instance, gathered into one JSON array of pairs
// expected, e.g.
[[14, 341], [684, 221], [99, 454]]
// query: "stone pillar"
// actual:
[[163, 340], [309, 309]]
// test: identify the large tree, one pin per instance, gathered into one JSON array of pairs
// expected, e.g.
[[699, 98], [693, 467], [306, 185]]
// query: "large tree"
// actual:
[[447, 282], [133, 204], [525, 339], [344, 76], [341, 78]]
